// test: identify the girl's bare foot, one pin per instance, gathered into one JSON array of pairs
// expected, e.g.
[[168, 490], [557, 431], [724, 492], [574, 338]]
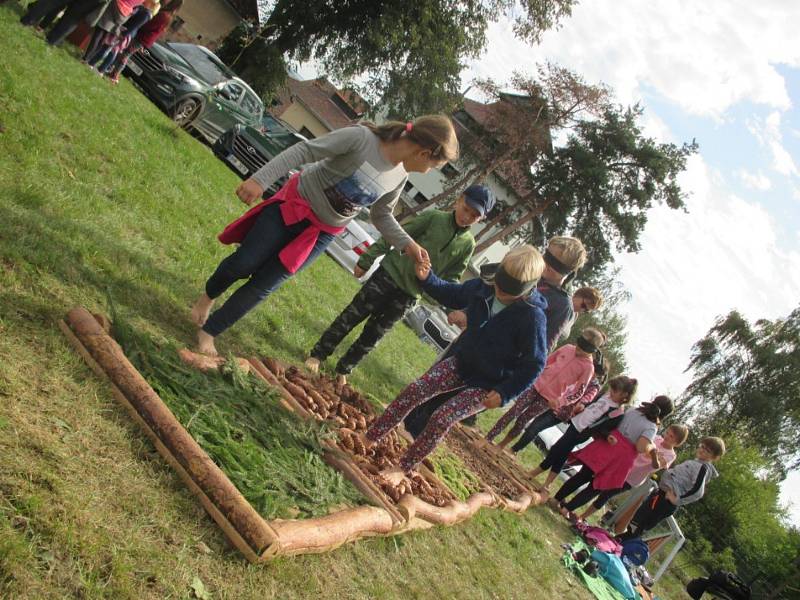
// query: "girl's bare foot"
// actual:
[[201, 310], [394, 476], [205, 343], [341, 379], [312, 364]]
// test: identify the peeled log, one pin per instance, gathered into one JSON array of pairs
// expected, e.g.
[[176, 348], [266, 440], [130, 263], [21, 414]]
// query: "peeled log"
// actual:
[[203, 362], [331, 531], [210, 480], [521, 503], [454, 512]]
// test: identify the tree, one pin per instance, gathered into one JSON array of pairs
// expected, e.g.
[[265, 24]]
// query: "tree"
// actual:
[[605, 178], [740, 519], [517, 131], [746, 385], [598, 185], [412, 52], [608, 318]]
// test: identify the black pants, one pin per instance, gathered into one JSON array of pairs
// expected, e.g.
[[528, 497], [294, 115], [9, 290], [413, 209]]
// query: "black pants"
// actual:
[[606, 495], [559, 452], [76, 11], [653, 510], [585, 475], [40, 9], [382, 303], [545, 420]]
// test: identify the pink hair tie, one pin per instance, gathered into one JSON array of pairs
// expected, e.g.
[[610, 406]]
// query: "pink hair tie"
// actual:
[[409, 125]]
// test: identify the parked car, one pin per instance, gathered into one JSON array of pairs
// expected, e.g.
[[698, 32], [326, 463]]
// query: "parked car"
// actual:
[[193, 86], [245, 149], [348, 246], [430, 324]]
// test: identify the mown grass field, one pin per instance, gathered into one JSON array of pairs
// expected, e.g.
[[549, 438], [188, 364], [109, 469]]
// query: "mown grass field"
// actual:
[[101, 196]]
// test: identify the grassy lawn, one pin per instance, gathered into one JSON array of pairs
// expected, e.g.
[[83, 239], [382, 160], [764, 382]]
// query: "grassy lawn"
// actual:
[[100, 196]]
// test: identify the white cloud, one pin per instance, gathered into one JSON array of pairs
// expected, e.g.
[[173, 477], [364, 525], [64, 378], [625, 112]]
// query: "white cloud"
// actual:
[[704, 57], [768, 133], [723, 254], [754, 181]]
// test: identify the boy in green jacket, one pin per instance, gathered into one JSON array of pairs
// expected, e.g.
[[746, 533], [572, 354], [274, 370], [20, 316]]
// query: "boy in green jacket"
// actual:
[[394, 287]]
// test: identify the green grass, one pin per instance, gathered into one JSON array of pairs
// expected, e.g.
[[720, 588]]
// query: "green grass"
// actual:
[[273, 458], [99, 196]]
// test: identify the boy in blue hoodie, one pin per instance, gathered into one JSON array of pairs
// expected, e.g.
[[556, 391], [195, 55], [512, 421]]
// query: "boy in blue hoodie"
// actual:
[[500, 353]]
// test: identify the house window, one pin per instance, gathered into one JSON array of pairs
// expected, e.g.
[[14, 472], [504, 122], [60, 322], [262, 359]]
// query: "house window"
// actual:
[[420, 198], [306, 133], [449, 170], [408, 186]]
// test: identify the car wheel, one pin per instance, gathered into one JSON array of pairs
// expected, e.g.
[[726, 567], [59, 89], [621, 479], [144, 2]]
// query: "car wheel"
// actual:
[[185, 111]]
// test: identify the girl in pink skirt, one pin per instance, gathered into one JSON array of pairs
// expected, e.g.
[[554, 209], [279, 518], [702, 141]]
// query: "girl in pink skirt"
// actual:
[[607, 462]]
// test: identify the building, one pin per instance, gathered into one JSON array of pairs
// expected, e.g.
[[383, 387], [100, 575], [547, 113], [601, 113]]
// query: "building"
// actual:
[[479, 127], [315, 106], [208, 22]]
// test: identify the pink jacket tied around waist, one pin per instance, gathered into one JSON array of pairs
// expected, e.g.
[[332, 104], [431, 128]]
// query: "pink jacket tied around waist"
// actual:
[[294, 208]]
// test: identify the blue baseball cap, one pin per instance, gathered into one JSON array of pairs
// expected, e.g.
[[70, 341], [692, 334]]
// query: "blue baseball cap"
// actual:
[[480, 198]]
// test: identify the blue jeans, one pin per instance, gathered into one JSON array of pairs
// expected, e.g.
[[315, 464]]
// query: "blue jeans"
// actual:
[[256, 259]]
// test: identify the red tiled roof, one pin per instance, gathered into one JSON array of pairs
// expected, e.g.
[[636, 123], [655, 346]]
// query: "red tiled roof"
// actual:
[[490, 117], [317, 96]]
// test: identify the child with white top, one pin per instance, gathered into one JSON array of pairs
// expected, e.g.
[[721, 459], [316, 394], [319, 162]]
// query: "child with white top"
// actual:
[[621, 391]]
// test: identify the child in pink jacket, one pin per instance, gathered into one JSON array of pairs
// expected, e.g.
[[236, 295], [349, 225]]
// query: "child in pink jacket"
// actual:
[[568, 370]]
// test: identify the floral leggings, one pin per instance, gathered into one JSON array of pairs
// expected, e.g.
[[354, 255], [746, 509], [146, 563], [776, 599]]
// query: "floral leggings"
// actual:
[[529, 405], [441, 377]]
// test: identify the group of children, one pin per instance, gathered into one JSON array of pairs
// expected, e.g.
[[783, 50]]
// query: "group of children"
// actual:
[[119, 27], [511, 322]]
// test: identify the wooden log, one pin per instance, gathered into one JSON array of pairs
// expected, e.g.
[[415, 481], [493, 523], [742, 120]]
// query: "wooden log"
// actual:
[[454, 512], [311, 536], [519, 504], [374, 494], [287, 400], [204, 363], [162, 425]]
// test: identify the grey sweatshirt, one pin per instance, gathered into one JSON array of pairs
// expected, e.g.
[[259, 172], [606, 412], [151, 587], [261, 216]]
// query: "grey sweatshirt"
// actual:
[[344, 172], [688, 480]]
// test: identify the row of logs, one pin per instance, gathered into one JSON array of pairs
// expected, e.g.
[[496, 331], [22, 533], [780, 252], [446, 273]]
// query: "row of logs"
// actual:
[[330, 401]]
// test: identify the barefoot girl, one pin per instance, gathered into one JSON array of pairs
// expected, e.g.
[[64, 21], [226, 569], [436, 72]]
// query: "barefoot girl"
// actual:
[[348, 170]]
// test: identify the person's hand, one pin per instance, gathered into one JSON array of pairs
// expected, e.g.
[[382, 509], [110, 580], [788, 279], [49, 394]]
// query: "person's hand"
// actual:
[[422, 270], [249, 191], [611, 440], [661, 461], [358, 272], [458, 318], [417, 253], [670, 495], [578, 409], [492, 400]]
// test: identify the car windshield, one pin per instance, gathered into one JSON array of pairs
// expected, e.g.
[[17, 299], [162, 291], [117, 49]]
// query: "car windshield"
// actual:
[[210, 68]]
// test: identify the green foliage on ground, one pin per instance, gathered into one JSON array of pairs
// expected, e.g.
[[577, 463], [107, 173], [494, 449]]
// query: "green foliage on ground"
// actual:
[[273, 458]]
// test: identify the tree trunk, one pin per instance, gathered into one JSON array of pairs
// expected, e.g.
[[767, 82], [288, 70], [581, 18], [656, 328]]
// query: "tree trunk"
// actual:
[[526, 218], [521, 222]]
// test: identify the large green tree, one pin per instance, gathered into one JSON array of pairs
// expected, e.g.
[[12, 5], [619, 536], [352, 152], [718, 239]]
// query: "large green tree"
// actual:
[[408, 56], [746, 385]]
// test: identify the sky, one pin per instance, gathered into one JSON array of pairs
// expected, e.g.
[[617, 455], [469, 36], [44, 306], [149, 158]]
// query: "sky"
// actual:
[[723, 72], [728, 75]]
